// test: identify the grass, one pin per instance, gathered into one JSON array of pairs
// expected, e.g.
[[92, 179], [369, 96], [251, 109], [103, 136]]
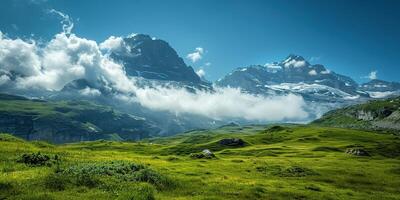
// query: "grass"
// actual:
[[277, 162]]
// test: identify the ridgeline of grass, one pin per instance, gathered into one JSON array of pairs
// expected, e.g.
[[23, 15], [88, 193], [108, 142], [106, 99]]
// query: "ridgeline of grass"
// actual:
[[279, 162]]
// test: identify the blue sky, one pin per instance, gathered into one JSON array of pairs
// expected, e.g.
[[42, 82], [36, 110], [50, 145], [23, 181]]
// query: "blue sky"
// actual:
[[349, 37]]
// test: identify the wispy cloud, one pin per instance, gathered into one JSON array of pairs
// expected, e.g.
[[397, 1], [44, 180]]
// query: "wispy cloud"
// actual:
[[315, 58], [67, 23], [196, 55], [201, 73], [372, 75]]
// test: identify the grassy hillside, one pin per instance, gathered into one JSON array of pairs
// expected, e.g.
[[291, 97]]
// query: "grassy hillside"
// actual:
[[378, 115], [270, 162], [67, 121]]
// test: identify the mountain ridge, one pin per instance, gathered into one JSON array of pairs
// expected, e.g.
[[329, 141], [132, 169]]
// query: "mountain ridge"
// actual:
[[295, 71]]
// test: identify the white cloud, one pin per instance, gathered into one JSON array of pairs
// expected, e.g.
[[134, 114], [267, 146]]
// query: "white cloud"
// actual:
[[201, 73], [4, 79], [66, 21], [223, 103], [63, 59], [196, 55], [68, 57], [380, 94], [19, 56], [15, 27], [372, 75], [315, 58], [90, 92], [272, 66], [112, 43], [326, 71], [312, 72], [207, 64]]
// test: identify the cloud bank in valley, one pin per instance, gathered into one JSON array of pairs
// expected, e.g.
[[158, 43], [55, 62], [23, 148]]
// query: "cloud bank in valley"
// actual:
[[25, 65]]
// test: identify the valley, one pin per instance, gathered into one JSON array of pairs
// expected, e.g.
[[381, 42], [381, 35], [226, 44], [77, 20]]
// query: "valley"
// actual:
[[199, 100], [271, 162]]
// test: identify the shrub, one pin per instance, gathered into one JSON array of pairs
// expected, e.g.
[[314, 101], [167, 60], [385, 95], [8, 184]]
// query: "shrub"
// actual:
[[56, 181], [172, 158], [38, 159], [138, 192], [296, 171], [88, 180], [120, 169], [275, 129], [313, 188], [7, 189], [153, 177], [90, 174], [327, 148]]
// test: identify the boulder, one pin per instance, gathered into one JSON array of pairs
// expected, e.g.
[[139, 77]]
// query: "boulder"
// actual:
[[232, 142], [207, 154], [357, 152]]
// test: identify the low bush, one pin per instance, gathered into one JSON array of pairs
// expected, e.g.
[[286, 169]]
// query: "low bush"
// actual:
[[137, 192], [275, 129], [296, 171], [313, 188], [88, 180], [327, 149], [7, 190], [56, 181], [91, 174], [38, 159], [154, 178]]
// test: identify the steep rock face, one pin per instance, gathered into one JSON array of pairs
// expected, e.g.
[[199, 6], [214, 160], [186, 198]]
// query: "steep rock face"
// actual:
[[32, 127], [153, 59], [69, 121], [374, 115]]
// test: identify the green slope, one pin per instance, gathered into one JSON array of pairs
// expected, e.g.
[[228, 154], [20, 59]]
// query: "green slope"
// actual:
[[378, 115], [67, 121], [276, 162]]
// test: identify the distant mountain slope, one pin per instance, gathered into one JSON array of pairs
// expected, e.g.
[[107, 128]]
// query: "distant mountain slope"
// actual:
[[373, 115], [320, 87], [293, 70], [68, 121], [379, 88], [151, 58]]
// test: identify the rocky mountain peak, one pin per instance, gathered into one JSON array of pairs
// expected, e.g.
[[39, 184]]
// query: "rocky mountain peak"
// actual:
[[154, 59], [294, 61]]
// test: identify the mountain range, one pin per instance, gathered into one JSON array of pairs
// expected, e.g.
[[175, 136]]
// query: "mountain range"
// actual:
[[313, 82], [154, 63]]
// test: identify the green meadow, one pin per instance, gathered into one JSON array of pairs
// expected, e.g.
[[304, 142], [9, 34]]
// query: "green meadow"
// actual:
[[272, 162]]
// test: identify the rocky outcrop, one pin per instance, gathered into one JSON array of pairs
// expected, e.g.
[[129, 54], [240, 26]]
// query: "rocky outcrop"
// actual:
[[61, 122], [357, 152], [364, 115], [378, 115], [207, 154], [237, 142]]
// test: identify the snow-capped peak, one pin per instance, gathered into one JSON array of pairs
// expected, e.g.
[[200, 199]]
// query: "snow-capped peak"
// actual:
[[294, 61]]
